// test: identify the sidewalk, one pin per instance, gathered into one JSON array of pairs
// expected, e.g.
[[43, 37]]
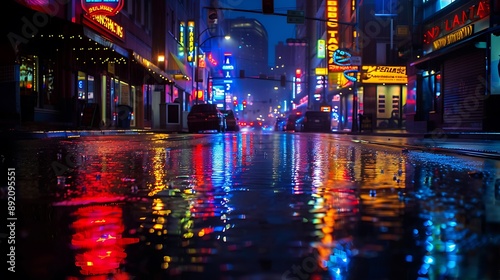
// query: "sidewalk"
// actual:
[[61, 130], [478, 144]]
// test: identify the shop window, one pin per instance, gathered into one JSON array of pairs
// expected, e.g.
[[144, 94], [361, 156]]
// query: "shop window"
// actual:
[[124, 98], [431, 90], [46, 91], [85, 87], [389, 101], [495, 63], [27, 75], [90, 89], [135, 92]]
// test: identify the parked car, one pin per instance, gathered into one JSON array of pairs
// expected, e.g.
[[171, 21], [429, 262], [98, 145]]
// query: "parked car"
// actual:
[[290, 121], [314, 121], [205, 117], [231, 120], [280, 124]]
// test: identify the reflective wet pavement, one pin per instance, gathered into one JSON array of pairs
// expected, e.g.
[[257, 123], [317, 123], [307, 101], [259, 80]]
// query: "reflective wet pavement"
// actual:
[[252, 206]]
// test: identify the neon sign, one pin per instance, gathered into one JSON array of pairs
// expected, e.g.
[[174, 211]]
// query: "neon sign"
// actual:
[[343, 58], [182, 38], [453, 27], [109, 25], [375, 74], [228, 77], [332, 29], [102, 7], [190, 41], [211, 58], [321, 49], [453, 37]]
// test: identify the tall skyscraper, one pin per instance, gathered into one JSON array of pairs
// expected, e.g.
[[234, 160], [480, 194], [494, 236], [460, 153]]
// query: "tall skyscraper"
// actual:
[[250, 45]]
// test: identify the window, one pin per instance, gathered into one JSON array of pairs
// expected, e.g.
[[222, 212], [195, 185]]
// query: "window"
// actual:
[[431, 89], [85, 87], [386, 7], [27, 73], [433, 6]]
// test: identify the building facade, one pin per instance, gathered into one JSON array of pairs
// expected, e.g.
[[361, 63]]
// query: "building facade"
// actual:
[[354, 52], [456, 73], [243, 59], [290, 63], [87, 64]]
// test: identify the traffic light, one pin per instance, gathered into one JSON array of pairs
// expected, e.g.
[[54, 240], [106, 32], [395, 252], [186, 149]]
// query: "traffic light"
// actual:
[[212, 17], [235, 102], [268, 6], [244, 103], [283, 80]]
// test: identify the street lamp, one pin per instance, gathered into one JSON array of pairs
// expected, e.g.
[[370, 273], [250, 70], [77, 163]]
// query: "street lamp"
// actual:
[[198, 47]]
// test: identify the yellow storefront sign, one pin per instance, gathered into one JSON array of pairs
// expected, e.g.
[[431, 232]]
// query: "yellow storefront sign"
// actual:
[[384, 74]]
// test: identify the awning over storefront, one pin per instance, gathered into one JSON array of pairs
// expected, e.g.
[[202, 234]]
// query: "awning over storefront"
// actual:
[[436, 54], [160, 77], [105, 42], [155, 71], [177, 68]]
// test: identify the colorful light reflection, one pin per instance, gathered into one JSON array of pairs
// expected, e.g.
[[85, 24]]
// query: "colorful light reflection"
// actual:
[[98, 239]]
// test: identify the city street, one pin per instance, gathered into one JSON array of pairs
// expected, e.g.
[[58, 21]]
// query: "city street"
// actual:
[[255, 205]]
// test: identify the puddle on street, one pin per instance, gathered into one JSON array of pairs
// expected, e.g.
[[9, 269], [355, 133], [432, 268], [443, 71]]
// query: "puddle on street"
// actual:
[[243, 205]]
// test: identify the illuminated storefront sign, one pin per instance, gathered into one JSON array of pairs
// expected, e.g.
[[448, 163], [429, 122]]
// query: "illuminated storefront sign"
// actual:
[[202, 63], [332, 29], [211, 59], [218, 93], [182, 39], [228, 74], [320, 87], [327, 109], [298, 80], [456, 25], [99, 11], [110, 25], [341, 72], [453, 37], [102, 7], [343, 59], [190, 41], [384, 74], [321, 48], [321, 71]]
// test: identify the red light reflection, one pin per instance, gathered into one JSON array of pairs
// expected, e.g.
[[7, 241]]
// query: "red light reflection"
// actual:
[[98, 238]]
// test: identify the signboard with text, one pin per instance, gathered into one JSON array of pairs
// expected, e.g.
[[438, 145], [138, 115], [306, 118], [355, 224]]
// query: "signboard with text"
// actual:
[[190, 41], [384, 74], [102, 7], [332, 29], [98, 13], [456, 26]]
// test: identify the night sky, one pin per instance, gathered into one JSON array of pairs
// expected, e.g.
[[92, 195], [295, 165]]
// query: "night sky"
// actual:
[[276, 26]]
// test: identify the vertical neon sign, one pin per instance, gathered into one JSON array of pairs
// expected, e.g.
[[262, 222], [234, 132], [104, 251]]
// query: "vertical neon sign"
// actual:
[[190, 41], [332, 29], [228, 76], [182, 38]]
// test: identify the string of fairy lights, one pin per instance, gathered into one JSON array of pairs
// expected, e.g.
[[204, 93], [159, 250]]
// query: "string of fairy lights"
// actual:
[[99, 54]]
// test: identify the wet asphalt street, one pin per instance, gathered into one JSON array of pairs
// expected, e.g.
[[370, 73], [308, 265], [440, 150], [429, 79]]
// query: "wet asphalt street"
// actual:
[[255, 205]]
